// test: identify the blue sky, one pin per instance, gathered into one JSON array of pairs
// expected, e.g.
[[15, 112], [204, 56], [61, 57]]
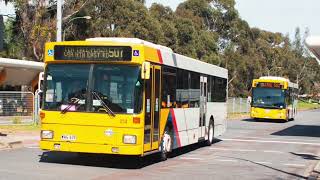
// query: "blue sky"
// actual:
[[273, 15]]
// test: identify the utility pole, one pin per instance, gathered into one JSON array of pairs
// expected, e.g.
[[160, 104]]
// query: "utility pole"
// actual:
[[59, 19], [1, 32]]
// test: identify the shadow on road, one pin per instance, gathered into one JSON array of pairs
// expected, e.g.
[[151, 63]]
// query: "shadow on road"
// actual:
[[306, 156], [265, 120], [111, 161], [266, 166], [300, 130]]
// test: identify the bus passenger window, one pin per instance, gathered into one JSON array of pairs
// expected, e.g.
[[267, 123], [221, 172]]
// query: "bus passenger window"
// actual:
[[168, 88]]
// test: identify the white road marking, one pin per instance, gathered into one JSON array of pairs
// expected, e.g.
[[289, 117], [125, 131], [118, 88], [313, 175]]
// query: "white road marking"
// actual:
[[226, 149], [275, 138], [295, 165], [262, 162], [33, 147], [191, 158], [226, 160], [280, 142], [271, 151]]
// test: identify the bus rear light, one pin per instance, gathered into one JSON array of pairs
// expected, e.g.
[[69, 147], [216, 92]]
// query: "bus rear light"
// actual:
[[42, 115], [136, 120]]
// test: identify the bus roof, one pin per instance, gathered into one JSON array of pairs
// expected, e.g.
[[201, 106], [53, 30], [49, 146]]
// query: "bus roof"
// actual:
[[276, 78], [169, 58]]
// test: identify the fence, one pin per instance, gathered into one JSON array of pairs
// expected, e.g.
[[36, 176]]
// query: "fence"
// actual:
[[17, 107], [238, 105]]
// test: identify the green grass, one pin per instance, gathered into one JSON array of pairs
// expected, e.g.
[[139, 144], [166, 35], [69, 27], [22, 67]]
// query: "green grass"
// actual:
[[307, 106], [15, 128], [231, 116]]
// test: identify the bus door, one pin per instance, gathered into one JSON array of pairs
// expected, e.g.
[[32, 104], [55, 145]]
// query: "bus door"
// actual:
[[203, 105], [152, 109]]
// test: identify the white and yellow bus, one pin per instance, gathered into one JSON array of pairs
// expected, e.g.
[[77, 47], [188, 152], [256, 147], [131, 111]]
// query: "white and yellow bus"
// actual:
[[274, 98], [128, 96]]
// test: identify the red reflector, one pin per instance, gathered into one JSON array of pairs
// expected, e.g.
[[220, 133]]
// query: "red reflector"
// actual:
[[136, 120], [42, 115]]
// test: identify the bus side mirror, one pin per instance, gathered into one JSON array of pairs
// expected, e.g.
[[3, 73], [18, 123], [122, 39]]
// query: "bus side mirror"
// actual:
[[145, 70]]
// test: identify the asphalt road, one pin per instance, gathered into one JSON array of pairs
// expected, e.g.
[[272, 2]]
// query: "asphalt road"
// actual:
[[249, 150]]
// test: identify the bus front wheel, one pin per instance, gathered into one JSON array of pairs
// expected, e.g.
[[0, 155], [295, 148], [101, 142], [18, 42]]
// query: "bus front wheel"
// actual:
[[166, 146]]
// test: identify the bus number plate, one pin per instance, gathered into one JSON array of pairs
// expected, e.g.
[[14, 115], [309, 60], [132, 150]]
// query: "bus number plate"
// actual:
[[67, 137]]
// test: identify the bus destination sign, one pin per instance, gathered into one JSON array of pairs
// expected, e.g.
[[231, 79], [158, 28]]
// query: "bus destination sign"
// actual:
[[269, 85], [93, 53]]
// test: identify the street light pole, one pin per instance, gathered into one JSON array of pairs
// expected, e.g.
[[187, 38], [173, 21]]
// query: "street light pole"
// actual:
[[59, 20]]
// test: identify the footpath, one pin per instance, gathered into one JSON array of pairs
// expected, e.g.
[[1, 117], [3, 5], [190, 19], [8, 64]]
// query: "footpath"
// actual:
[[17, 139]]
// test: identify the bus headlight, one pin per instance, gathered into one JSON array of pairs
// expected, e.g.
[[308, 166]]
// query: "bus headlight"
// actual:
[[46, 134], [129, 139]]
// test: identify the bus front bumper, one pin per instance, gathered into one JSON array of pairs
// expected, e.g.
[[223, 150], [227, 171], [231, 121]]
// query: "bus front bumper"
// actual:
[[268, 113], [91, 148]]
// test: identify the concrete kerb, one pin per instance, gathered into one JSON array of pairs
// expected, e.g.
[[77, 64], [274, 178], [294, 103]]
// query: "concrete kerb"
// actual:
[[315, 174]]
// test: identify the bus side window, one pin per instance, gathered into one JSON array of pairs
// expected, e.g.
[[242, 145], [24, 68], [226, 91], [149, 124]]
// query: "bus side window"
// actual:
[[168, 88]]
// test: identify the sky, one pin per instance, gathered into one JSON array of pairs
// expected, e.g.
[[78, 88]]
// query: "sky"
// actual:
[[272, 15]]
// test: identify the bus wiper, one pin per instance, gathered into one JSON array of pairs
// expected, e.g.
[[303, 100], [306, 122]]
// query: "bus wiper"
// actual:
[[74, 101], [105, 106]]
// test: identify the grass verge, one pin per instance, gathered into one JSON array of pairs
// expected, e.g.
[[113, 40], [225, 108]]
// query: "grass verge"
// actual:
[[232, 116], [302, 105], [19, 128]]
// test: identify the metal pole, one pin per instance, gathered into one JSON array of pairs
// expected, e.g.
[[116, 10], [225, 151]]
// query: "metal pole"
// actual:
[[59, 19]]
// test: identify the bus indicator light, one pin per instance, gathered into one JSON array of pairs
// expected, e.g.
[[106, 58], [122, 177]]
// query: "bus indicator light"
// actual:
[[42, 115], [136, 120]]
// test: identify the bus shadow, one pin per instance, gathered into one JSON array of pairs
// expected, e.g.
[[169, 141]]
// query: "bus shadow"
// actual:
[[265, 120], [299, 130], [111, 161], [98, 160]]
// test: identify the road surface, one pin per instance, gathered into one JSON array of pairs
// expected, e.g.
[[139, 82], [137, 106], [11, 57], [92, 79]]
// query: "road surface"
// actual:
[[248, 150]]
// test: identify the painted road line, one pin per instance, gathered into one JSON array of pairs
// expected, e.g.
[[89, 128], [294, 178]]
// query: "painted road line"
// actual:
[[271, 151], [191, 158], [280, 142], [226, 149], [33, 147], [226, 160], [275, 138], [295, 165], [262, 162]]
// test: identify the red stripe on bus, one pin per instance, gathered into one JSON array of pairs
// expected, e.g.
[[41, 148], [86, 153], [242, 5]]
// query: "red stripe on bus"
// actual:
[[160, 56], [175, 127]]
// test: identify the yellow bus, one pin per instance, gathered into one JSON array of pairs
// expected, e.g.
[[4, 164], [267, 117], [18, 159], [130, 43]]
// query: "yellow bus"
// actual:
[[274, 98], [127, 96]]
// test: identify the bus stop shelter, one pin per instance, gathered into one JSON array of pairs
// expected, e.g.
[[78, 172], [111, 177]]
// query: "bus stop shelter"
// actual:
[[16, 72]]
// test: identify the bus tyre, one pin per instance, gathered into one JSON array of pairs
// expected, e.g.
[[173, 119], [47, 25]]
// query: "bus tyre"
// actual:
[[166, 146], [210, 134]]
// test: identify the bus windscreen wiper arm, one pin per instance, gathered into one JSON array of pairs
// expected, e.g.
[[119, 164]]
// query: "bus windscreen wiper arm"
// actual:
[[74, 101], [96, 95]]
